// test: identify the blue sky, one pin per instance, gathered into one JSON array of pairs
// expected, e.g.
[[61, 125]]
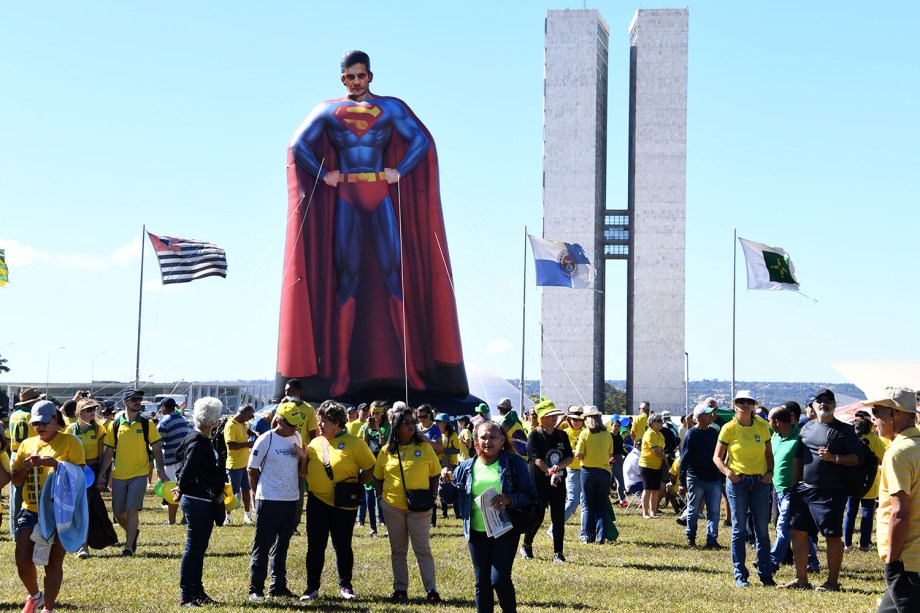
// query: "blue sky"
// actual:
[[802, 134]]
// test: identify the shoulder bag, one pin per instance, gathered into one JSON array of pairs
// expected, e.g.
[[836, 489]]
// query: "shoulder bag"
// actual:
[[348, 493], [416, 500]]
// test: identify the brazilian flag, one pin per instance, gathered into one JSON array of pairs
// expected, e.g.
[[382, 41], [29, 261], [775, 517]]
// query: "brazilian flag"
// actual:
[[4, 271]]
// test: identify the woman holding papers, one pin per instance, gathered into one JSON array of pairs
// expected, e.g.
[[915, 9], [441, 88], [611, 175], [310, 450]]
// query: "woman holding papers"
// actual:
[[500, 476]]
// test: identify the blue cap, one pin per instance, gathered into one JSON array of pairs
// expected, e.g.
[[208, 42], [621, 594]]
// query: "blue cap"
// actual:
[[129, 393], [42, 412]]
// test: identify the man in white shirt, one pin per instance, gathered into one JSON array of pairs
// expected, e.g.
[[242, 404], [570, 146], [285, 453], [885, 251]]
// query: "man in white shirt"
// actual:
[[276, 463]]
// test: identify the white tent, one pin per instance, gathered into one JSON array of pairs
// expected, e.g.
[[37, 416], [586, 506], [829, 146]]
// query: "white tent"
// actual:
[[492, 388], [873, 377]]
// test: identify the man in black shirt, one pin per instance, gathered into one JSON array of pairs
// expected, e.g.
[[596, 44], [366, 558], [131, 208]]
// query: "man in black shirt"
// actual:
[[826, 447], [548, 453]]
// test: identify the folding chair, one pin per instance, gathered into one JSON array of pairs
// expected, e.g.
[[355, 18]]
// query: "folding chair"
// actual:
[[634, 496]]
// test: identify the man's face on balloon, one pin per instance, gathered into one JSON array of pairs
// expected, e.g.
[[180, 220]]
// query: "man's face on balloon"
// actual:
[[357, 79]]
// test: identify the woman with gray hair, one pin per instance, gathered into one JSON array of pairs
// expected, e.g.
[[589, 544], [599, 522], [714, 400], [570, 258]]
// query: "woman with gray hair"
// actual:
[[200, 480]]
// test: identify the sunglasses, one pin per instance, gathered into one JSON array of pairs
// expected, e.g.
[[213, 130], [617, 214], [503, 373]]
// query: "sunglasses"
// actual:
[[881, 412], [745, 401]]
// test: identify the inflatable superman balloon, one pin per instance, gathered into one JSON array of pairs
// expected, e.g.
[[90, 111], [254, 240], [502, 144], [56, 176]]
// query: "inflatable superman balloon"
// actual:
[[367, 300]]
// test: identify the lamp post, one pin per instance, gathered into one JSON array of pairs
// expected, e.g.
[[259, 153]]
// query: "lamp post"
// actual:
[[48, 368], [687, 383], [92, 368]]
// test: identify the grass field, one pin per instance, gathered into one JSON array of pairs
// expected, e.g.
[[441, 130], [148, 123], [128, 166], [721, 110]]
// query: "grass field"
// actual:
[[649, 568]]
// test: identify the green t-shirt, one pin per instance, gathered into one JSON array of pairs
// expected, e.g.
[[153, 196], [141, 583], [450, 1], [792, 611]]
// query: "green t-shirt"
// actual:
[[484, 477], [783, 454]]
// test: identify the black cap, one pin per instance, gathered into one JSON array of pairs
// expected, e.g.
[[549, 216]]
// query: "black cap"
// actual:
[[169, 403], [825, 392]]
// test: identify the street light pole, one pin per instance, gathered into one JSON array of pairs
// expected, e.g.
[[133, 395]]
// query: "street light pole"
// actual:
[[48, 369]]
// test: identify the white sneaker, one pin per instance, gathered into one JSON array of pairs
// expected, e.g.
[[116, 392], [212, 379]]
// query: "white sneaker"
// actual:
[[247, 519], [83, 553], [227, 520], [256, 597]]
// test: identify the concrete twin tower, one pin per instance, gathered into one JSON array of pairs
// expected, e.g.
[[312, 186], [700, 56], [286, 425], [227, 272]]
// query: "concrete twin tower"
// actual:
[[649, 233]]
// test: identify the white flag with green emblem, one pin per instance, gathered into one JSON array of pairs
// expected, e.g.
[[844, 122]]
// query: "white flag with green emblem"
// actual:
[[768, 267]]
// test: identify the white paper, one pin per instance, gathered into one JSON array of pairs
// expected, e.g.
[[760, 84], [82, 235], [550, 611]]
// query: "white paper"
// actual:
[[497, 522]]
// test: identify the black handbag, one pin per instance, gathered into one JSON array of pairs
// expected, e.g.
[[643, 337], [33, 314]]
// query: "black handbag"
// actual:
[[347, 494], [416, 500], [525, 518]]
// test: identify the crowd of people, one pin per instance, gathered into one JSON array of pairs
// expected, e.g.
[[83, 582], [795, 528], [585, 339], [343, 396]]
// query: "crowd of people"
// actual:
[[342, 467]]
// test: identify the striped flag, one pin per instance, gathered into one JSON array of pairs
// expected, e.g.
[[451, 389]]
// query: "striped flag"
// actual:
[[561, 264], [184, 260], [4, 271]]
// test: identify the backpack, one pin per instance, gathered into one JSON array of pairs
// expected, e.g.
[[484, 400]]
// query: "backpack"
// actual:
[[858, 479], [218, 442], [145, 426]]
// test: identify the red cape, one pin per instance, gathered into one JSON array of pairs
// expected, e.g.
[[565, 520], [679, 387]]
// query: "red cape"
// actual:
[[306, 347]]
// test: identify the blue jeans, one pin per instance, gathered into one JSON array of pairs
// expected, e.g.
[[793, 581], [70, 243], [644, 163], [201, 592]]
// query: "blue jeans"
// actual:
[[595, 488], [750, 494], [492, 561], [710, 492], [200, 517], [370, 509], [573, 497], [274, 529], [783, 537], [867, 514]]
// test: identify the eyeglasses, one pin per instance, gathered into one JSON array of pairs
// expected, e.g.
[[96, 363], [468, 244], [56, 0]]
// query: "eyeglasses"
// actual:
[[745, 401]]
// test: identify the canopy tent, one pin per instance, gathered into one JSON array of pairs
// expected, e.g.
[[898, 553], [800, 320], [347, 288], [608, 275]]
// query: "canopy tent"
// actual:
[[873, 377], [492, 388]]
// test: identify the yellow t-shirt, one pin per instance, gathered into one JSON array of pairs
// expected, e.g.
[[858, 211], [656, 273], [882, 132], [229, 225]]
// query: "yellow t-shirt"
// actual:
[[639, 426], [419, 463], [5, 461], [901, 473], [573, 440], [235, 432], [309, 421], [466, 444], [354, 427], [675, 468], [20, 428], [452, 441], [746, 446], [63, 448], [650, 439], [132, 458], [68, 421], [90, 439], [597, 448], [878, 447], [347, 455]]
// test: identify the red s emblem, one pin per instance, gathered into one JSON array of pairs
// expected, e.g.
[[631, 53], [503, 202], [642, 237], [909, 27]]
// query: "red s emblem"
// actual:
[[359, 118]]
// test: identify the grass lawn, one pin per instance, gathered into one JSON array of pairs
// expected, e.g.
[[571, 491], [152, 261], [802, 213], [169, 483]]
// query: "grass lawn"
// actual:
[[649, 568]]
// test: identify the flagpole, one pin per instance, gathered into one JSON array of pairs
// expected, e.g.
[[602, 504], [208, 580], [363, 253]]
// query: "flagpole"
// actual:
[[734, 300], [523, 320], [140, 305]]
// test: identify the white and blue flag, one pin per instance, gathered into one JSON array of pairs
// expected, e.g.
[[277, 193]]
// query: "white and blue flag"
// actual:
[[561, 264]]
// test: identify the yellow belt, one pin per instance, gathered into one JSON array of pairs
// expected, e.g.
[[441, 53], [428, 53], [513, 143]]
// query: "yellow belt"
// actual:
[[362, 177]]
